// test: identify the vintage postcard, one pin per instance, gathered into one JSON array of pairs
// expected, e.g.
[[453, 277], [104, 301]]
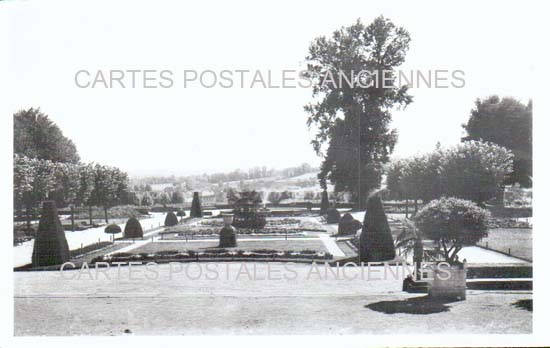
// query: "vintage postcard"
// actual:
[[319, 172]]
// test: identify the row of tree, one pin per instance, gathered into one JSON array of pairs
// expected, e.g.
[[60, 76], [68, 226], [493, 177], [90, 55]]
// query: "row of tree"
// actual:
[[36, 180], [472, 170]]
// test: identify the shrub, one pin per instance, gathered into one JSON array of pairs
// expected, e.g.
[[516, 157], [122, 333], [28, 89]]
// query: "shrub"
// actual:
[[113, 229], [324, 203], [196, 210], [333, 216], [376, 242], [181, 213], [452, 223], [50, 245], [348, 225], [133, 229], [228, 237], [170, 220]]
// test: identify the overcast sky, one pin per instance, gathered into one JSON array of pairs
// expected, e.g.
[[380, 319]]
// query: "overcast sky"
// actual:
[[192, 130]]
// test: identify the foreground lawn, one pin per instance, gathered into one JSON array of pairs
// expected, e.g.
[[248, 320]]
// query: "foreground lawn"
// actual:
[[191, 304]]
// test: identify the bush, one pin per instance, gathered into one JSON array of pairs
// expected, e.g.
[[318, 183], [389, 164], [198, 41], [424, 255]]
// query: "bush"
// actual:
[[113, 229], [50, 244], [133, 229], [452, 223], [228, 237], [181, 213], [348, 225], [324, 203], [170, 220], [196, 210], [376, 242], [333, 216]]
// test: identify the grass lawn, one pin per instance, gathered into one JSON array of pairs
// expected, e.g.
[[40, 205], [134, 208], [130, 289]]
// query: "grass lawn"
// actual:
[[279, 245], [517, 240]]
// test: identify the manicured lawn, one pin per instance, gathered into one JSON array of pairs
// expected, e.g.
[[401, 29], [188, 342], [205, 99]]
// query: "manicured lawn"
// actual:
[[516, 240], [279, 245]]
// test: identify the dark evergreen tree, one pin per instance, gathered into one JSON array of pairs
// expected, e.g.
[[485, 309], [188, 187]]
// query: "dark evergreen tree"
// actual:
[[196, 210], [50, 244], [133, 228], [376, 242], [324, 203]]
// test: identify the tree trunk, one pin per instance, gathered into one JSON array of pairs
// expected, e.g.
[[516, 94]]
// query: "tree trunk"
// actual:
[[72, 218], [28, 213], [90, 212], [415, 206], [406, 208], [106, 214]]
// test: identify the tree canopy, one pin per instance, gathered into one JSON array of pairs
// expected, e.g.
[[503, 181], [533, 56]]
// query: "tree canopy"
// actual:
[[353, 118], [509, 123], [36, 136]]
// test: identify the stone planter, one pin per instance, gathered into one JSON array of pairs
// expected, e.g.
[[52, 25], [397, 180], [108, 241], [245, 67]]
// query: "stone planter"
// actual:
[[447, 282]]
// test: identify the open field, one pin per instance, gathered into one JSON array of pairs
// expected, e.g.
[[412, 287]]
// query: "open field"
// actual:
[[191, 304]]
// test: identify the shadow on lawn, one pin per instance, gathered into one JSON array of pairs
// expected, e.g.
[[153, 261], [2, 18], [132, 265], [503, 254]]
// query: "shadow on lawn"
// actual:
[[415, 305], [524, 304]]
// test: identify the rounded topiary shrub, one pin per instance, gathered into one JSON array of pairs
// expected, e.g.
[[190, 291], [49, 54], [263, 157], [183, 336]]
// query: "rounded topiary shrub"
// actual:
[[181, 213], [333, 216], [452, 223], [228, 237], [196, 210], [113, 229], [376, 242], [50, 244], [133, 229], [348, 225], [171, 219]]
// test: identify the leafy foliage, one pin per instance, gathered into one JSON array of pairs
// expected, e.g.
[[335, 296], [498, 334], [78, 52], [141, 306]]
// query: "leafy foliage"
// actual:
[[508, 123], [36, 136], [353, 119], [452, 223]]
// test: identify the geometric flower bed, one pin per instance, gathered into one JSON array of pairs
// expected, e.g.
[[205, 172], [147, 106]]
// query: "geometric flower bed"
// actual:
[[213, 254]]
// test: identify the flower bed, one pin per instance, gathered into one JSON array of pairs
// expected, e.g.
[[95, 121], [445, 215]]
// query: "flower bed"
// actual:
[[508, 223], [215, 253], [205, 232], [271, 222]]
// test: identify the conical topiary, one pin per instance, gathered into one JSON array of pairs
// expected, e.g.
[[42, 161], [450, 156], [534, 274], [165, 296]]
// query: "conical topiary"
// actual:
[[50, 244], [348, 225], [133, 229], [196, 210], [333, 216], [170, 220], [376, 242], [324, 203]]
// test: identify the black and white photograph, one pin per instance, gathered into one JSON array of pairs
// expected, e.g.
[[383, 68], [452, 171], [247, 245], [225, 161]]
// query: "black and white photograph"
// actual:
[[305, 173]]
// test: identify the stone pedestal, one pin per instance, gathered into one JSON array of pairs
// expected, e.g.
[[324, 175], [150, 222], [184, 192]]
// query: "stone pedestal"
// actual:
[[447, 282]]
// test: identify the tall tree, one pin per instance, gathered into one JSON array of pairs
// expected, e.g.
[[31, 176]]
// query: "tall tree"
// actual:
[[354, 118], [509, 123], [36, 136]]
